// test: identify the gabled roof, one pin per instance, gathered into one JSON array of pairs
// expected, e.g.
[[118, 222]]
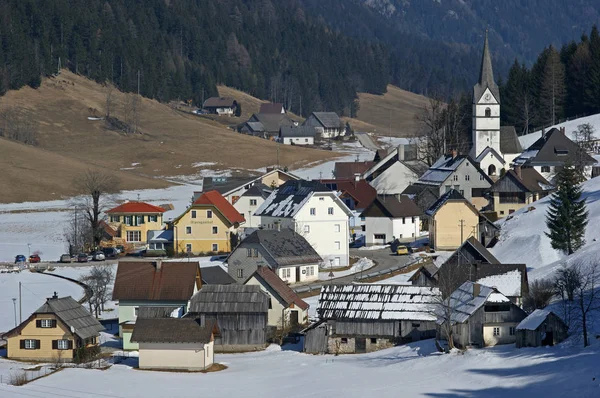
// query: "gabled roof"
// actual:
[[285, 247], [256, 127], [271, 108], [219, 102], [271, 122], [429, 269], [528, 178], [393, 206], [214, 198], [297, 131], [445, 166], [553, 148], [71, 313], [110, 231], [508, 283], [136, 207], [451, 195], [535, 319], [377, 302], [164, 281], [215, 275], [227, 185], [485, 253], [348, 170], [258, 190], [287, 200], [486, 75], [487, 151], [329, 120], [287, 295], [361, 191], [509, 141], [172, 330], [228, 299], [468, 298]]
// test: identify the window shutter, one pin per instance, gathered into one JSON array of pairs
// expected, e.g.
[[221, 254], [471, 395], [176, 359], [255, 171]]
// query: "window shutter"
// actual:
[[70, 344], [38, 323], [54, 323], [22, 344], [55, 344], [37, 345]]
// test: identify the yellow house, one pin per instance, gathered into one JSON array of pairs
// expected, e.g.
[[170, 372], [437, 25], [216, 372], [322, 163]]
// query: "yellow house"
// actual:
[[54, 332], [207, 225], [133, 220], [452, 220]]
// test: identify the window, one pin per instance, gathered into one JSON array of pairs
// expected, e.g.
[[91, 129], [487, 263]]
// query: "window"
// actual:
[[208, 213], [313, 211], [47, 323], [512, 330], [467, 177], [491, 170], [462, 192], [239, 273], [403, 220], [188, 230], [448, 188], [134, 236], [306, 140], [215, 247], [140, 220], [344, 340], [152, 218], [255, 253], [488, 112], [115, 218], [336, 228], [373, 340], [252, 202], [496, 331], [307, 228], [193, 213], [127, 220], [330, 211], [30, 344], [188, 247], [416, 325], [545, 169], [310, 271], [455, 177], [501, 212], [338, 245], [248, 252], [215, 230], [321, 198], [62, 344], [379, 236]]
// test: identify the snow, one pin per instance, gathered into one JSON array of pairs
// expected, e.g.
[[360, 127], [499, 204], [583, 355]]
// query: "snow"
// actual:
[[570, 127], [361, 265], [374, 247], [508, 284], [534, 320]]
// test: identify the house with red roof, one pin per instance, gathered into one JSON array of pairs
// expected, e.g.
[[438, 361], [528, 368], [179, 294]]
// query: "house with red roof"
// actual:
[[209, 225], [132, 221]]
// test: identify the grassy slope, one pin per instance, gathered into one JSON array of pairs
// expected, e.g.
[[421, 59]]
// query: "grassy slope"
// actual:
[[171, 142]]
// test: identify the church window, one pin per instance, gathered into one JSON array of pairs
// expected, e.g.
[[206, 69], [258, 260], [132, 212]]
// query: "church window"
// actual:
[[492, 170], [488, 112], [455, 177], [545, 169], [467, 177]]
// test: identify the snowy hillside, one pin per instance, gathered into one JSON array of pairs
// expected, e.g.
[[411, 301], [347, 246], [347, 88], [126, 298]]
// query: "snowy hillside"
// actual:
[[522, 238], [570, 126]]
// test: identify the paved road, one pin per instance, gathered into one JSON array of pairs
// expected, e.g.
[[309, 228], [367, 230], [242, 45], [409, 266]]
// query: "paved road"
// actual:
[[366, 141]]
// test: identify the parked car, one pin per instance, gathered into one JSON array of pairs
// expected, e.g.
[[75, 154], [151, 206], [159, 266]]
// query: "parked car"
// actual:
[[20, 258], [98, 256], [34, 258], [110, 252], [65, 258], [120, 248], [82, 258], [402, 250]]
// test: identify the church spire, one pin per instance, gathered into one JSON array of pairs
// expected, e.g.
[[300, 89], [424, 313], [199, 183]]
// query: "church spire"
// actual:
[[486, 74]]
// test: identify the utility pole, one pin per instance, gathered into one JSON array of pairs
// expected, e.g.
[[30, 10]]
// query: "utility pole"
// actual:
[[20, 305], [15, 308], [461, 225], [138, 82]]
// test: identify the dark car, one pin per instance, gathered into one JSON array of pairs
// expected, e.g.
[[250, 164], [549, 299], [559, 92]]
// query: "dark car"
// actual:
[[20, 258], [34, 258], [82, 258], [110, 252]]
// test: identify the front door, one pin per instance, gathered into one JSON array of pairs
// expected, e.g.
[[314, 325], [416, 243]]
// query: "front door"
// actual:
[[361, 345], [548, 340], [293, 318], [297, 274]]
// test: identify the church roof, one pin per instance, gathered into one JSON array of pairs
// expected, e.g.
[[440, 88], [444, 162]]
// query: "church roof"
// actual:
[[509, 141], [486, 75]]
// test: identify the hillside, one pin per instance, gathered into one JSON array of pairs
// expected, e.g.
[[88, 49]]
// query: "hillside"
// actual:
[[172, 144]]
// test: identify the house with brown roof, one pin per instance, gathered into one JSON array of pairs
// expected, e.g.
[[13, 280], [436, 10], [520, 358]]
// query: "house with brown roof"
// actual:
[[209, 225], [287, 309], [391, 217], [518, 188], [271, 108], [152, 284], [133, 220], [350, 170], [175, 343], [220, 106], [54, 332]]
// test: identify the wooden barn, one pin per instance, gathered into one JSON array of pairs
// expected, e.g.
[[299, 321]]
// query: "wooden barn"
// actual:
[[315, 338], [541, 328], [480, 317], [240, 311], [365, 318]]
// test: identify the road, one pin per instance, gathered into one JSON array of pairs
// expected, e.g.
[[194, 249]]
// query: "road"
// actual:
[[366, 141], [384, 259]]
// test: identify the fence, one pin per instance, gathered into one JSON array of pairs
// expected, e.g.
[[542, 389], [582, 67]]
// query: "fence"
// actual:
[[361, 276], [24, 376]]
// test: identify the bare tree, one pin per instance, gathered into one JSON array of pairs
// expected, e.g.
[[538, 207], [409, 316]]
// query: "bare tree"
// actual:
[[109, 100], [15, 126], [96, 189], [528, 110], [77, 233], [540, 294], [99, 280], [133, 105], [584, 136], [431, 143]]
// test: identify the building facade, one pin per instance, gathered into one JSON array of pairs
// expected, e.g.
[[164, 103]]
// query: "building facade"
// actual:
[[134, 220]]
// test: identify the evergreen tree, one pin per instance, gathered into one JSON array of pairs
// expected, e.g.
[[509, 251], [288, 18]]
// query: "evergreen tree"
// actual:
[[567, 215], [552, 89]]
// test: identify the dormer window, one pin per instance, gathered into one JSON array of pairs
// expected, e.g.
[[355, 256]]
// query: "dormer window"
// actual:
[[561, 151]]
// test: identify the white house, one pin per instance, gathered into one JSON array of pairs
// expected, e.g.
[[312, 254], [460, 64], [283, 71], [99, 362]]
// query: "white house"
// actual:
[[297, 135], [251, 200], [220, 105], [391, 217], [315, 212], [326, 123]]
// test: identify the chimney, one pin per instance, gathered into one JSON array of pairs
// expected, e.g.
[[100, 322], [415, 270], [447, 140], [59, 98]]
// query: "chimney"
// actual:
[[357, 177], [54, 297], [401, 152], [454, 153], [476, 289], [518, 171], [158, 265], [562, 130]]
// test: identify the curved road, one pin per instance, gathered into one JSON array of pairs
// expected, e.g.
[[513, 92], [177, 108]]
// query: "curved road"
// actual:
[[366, 141]]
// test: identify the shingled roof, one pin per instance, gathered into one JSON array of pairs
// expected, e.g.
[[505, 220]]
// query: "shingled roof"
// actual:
[[486, 75], [553, 148], [509, 141], [329, 120], [217, 200], [215, 275], [224, 299], [285, 247], [468, 298], [297, 131], [172, 330], [271, 108], [219, 102], [361, 191], [528, 178], [348, 170], [166, 281], [281, 288], [392, 206]]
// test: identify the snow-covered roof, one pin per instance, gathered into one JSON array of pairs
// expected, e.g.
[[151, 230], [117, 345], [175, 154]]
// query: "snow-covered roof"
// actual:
[[509, 284], [383, 302], [468, 298], [534, 320]]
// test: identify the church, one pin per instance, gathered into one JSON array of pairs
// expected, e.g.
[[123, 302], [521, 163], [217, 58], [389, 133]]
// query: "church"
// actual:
[[494, 146]]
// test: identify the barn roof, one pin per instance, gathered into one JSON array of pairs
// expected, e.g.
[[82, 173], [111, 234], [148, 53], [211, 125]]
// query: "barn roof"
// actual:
[[286, 247], [270, 108], [280, 287], [172, 330], [377, 302], [229, 299], [468, 298], [535, 319], [329, 120], [508, 283]]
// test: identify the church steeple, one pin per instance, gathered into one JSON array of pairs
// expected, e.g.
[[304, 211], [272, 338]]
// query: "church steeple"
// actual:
[[486, 75]]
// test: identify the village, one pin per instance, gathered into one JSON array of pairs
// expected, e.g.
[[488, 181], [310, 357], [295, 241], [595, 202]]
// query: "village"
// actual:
[[387, 254]]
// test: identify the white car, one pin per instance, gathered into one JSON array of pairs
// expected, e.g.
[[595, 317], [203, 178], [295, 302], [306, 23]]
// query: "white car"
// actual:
[[98, 256]]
